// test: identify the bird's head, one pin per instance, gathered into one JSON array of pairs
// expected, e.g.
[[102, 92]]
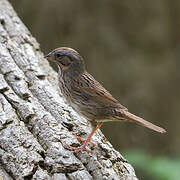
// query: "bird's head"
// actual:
[[67, 59]]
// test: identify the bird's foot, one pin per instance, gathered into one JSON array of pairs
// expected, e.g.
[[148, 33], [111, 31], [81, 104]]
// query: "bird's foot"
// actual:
[[82, 147], [83, 140]]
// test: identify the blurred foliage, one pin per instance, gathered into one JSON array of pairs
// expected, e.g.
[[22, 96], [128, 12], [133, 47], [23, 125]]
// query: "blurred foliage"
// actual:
[[154, 167], [132, 47]]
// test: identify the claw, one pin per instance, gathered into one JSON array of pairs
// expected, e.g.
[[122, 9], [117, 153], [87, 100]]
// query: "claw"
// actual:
[[82, 147], [78, 149], [83, 140]]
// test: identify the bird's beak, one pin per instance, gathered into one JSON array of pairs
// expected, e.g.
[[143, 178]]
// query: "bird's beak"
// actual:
[[47, 56]]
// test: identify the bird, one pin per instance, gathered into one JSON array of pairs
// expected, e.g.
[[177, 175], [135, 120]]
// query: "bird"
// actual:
[[88, 97]]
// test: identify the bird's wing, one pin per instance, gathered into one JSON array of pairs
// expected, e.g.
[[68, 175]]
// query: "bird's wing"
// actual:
[[86, 86]]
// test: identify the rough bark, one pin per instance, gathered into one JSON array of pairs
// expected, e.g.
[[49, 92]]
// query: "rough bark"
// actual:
[[36, 124]]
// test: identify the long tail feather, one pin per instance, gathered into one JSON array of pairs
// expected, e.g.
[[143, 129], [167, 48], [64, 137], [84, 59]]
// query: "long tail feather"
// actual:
[[133, 118]]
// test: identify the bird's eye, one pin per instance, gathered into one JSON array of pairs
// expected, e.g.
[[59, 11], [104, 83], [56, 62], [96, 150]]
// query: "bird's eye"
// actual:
[[58, 55]]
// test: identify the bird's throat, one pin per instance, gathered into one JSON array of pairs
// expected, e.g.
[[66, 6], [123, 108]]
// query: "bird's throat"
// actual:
[[59, 71]]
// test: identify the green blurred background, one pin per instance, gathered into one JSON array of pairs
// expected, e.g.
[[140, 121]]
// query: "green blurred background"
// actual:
[[133, 49]]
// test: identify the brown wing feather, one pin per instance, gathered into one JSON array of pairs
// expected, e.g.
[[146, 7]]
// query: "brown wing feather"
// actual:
[[89, 87]]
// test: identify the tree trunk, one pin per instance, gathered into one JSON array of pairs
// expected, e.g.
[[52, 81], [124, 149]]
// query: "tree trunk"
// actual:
[[36, 124]]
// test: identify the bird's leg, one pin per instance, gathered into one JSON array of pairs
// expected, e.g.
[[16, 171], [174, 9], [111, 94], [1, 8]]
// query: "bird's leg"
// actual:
[[85, 141]]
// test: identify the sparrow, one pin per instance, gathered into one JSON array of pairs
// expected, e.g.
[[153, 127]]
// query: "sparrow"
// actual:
[[88, 97]]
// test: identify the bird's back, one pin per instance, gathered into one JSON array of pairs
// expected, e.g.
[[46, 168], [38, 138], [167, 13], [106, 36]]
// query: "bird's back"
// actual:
[[88, 97]]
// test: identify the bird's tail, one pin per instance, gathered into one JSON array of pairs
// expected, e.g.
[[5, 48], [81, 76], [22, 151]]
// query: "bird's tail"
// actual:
[[133, 118]]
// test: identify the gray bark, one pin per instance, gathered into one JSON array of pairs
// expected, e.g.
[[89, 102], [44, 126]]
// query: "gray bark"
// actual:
[[35, 122]]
